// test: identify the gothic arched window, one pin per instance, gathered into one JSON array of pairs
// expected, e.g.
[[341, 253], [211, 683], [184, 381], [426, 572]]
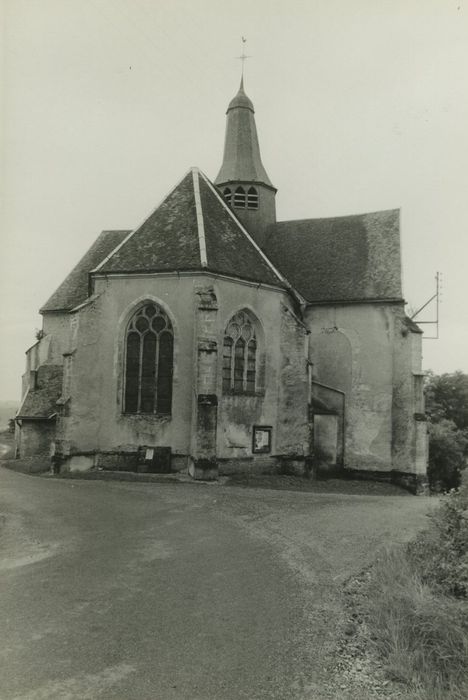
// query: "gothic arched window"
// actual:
[[240, 355], [252, 198], [149, 349], [227, 194], [239, 197]]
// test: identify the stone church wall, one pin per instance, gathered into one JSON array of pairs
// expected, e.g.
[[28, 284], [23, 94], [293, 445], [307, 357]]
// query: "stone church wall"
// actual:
[[281, 398], [351, 347], [34, 439], [95, 421], [92, 424], [409, 444], [57, 326]]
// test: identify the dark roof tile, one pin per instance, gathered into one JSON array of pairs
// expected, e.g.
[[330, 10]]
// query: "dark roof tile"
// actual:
[[167, 239], [171, 238], [74, 289], [40, 403], [229, 251], [347, 258]]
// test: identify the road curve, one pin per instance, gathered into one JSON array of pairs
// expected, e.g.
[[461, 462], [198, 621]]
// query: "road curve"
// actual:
[[177, 592]]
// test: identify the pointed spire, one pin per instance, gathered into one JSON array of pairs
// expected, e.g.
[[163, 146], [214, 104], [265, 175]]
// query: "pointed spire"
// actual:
[[242, 161], [240, 100]]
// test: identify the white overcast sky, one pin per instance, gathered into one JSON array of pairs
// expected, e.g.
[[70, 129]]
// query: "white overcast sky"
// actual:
[[360, 105]]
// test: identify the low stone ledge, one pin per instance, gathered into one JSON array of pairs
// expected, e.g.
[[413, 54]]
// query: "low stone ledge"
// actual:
[[416, 484]]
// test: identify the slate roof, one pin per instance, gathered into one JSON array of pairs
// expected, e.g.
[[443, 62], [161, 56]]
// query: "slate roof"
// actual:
[[342, 259], [193, 229], [74, 289], [40, 403], [241, 158], [230, 250]]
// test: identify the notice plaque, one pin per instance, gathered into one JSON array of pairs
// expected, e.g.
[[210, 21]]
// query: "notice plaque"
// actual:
[[261, 440]]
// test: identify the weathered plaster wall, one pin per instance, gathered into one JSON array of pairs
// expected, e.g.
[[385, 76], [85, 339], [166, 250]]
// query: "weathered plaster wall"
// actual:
[[92, 419], [351, 347], [281, 396], [369, 352], [256, 221], [95, 420], [57, 327], [48, 350], [293, 391], [409, 425], [34, 439], [326, 437]]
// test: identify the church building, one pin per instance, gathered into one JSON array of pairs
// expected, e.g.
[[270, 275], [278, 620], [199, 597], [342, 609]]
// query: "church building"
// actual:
[[214, 339]]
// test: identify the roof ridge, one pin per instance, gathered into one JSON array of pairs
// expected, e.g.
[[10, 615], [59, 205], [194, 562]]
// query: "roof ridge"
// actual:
[[272, 267], [200, 221], [133, 231], [341, 216]]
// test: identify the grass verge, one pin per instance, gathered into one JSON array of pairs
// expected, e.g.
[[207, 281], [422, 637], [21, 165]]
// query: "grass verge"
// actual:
[[417, 607]]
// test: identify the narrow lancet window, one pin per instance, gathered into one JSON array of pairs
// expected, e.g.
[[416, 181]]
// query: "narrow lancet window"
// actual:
[[149, 345], [227, 194]]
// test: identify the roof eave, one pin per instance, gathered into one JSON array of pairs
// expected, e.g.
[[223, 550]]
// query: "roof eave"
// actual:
[[101, 274], [371, 300]]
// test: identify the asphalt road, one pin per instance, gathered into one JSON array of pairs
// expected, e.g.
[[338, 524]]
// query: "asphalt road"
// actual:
[[124, 591]]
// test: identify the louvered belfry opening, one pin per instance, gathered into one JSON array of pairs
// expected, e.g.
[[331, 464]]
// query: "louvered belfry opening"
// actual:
[[242, 178], [149, 362]]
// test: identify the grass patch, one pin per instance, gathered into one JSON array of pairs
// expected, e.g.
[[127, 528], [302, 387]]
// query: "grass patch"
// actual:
[[417, 607]]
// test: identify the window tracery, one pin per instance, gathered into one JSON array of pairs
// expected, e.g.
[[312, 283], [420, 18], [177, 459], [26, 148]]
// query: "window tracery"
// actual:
[[149, 344], [240, 355]]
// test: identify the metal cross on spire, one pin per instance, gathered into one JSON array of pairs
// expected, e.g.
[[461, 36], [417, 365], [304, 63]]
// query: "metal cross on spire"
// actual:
[[243, 57]]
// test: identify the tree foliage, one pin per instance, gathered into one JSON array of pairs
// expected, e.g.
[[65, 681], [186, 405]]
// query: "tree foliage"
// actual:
[[447, 409], [447, 397]]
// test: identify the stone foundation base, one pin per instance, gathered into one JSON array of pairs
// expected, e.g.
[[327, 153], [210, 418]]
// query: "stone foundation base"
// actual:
[[203, 469], [114, 460], [414, 483], [266, 464]]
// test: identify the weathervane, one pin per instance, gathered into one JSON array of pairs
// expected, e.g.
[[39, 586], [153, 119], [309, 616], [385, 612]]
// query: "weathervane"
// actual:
[[243, 57]]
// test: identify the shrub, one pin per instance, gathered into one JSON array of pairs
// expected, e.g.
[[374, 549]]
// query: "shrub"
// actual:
[[440, 554], [447, 447]]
